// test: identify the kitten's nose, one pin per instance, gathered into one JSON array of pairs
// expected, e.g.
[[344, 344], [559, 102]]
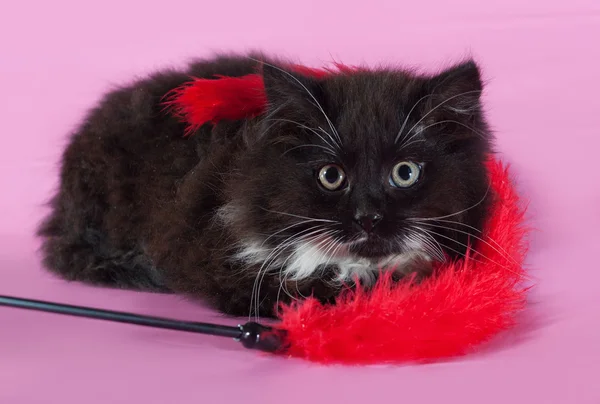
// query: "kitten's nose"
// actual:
[[367, 222]]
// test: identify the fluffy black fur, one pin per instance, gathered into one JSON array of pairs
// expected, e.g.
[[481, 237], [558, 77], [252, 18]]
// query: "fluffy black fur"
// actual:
[[142, 207]]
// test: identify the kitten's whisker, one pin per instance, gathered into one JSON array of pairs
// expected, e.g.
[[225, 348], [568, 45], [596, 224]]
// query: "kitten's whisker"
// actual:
[[256, 286], [298, 290], [338, 143], [471, 258], [302, 240], [337, 241], [324, 251], [317, 249], [299, 235], [459, 224], [439, 105], [333, 145], [327, 149], [289, 227], [286, 287], [266, 119], [409, 141], [430, 248], [444, 221], [332, 245], [500, 251], [429, 242], [457, 123], [309, 93], [464, 255], [300, 217], [408, 116], [424, 232], [275, 252], [426, 220], [456, 213], [412, 142], [282, 281], [326, 237], [283, 287], [337, 244], [272, 113], [469, 248], [271, 259]]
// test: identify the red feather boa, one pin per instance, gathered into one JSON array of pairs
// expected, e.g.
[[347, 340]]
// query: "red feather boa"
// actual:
[[464, 304]]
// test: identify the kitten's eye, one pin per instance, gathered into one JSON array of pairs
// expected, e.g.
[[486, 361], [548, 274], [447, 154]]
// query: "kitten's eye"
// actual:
[[332, 177], [405, 174]]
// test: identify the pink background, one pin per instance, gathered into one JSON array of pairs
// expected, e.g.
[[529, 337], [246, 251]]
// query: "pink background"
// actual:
[[542, 61]]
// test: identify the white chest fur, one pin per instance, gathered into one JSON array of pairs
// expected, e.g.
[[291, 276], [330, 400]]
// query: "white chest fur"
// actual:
[[303, 260]]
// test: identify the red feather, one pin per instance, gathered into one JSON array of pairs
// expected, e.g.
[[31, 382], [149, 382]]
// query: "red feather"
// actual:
[[223, 98], [463, 305]]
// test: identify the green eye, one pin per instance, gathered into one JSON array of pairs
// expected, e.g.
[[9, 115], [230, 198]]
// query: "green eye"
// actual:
[[332, 177], [405, 174]]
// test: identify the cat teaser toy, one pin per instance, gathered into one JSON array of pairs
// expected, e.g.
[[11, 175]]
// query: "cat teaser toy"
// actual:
[[464, 304]]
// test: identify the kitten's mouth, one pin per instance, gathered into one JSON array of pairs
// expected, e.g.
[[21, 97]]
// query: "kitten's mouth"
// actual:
[[370, 247]]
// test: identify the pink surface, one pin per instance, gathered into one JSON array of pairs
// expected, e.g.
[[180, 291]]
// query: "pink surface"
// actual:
[[541, 60]]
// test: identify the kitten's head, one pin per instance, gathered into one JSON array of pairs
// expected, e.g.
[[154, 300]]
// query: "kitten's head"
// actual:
[[362, 170]]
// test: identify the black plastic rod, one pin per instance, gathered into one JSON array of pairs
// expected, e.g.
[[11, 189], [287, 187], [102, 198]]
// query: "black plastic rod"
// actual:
[[252, 335]]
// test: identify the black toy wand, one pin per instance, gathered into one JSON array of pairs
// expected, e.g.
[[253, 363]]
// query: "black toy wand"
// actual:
[[252, 335]]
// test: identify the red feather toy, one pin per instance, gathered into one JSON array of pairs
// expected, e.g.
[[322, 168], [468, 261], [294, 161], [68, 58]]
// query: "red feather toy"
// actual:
[[464, 304]]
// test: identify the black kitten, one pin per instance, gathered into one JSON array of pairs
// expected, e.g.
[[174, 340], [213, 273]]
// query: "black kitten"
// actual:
[[343, 176]]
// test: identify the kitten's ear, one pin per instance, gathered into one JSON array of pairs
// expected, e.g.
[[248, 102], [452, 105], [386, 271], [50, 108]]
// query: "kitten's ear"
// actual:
[[283, 87], [459, 88]]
